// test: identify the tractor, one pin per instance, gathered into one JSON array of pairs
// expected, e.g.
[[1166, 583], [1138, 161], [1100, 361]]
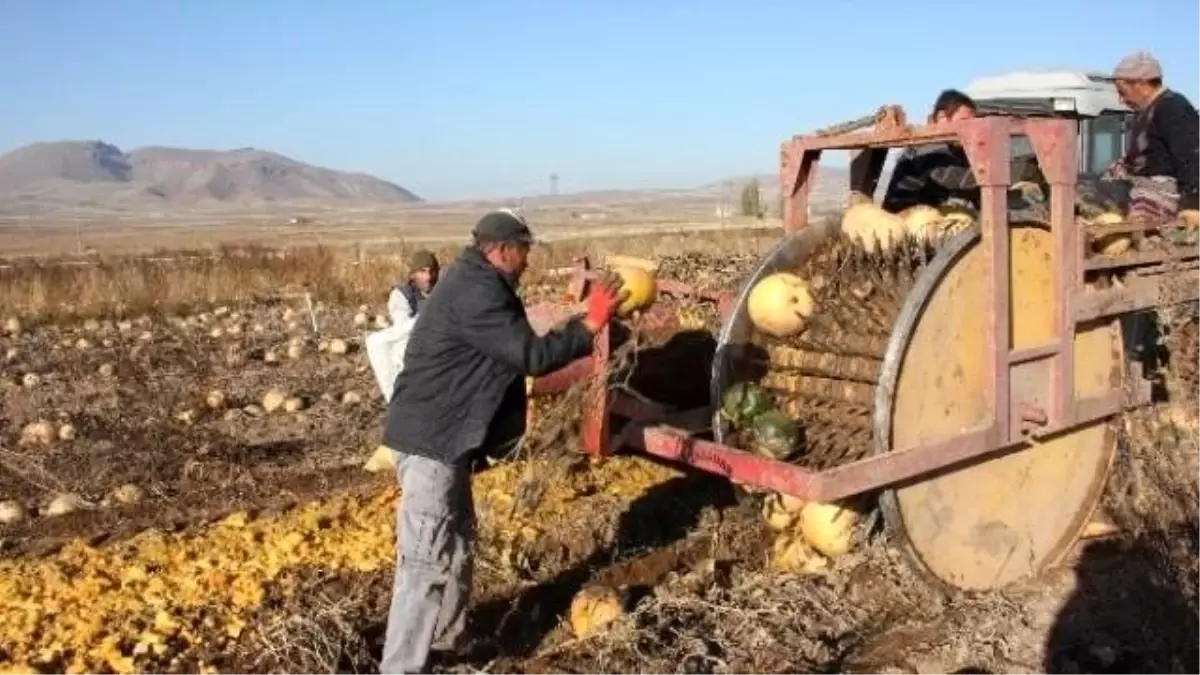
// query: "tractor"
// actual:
[[963, 372]]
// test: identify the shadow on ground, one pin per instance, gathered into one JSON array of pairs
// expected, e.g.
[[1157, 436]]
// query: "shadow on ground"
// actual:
[[1135, 608], [512, 628]]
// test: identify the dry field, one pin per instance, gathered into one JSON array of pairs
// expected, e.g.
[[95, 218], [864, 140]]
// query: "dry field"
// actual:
[[177, 520], [554, 218]]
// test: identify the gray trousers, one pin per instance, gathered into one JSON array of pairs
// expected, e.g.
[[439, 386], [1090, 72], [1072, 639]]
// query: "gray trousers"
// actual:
[[435, 529]]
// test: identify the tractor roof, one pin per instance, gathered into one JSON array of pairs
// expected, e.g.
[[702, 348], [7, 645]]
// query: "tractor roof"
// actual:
[[1086, 93]]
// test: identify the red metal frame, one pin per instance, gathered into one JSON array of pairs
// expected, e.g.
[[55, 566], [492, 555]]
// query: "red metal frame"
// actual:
[[1026, 408], [602, 404]]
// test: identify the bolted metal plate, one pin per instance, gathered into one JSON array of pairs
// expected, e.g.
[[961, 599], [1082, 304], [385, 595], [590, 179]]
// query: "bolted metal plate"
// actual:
[[1008, 517]]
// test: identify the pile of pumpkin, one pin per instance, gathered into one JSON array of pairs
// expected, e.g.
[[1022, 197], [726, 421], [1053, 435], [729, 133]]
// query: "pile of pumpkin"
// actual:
[[809, 533], [868, 223]]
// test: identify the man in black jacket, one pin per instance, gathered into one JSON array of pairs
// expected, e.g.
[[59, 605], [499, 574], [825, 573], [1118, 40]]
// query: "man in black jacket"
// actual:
[[1160, 162], [462, 394], [934, 173]]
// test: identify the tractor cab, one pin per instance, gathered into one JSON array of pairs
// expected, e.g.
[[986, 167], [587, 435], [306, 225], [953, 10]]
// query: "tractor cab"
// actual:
[[1090, 98]]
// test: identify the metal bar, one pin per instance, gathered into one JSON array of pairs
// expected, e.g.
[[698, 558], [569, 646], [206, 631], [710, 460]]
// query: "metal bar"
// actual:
[[1111, 302], [865, 475], [1100, 231], [799, 173], [1055, 144], [847, 127], [737, 465], [596, 418], [987, 144], [898, 138], [1145, 293], [1103, 262], [564, 378], [1018, 356], [900, 465]]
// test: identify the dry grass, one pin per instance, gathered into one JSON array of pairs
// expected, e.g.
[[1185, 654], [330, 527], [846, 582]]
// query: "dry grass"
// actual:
[[181, 280], [325, 639]]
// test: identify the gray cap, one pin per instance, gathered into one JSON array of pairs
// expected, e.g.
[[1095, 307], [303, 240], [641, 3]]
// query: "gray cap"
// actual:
[[502, 227], [1138, 66]]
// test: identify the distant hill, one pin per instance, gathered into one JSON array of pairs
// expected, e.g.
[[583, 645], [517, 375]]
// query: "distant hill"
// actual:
[[93, 172]]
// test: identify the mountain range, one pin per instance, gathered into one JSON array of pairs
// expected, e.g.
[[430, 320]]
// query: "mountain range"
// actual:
[[86, 175], [72, 173]]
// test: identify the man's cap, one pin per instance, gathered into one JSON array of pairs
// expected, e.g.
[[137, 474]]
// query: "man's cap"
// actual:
[[1138, 66], [502, 227], [421, 260]]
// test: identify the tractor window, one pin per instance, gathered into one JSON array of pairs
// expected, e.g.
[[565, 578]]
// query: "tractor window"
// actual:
[[1023, 163], [1105, 137], [1021, 147]]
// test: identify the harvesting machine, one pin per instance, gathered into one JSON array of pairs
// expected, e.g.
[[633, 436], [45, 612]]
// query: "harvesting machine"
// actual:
[[968, 379]]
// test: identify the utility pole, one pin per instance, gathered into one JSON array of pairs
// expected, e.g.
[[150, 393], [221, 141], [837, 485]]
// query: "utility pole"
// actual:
[[554, 184], [726, 187]]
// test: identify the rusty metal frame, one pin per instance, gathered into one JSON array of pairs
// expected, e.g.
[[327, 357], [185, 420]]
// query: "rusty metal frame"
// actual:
[[601, 403], [865, 475], [1015, 425]]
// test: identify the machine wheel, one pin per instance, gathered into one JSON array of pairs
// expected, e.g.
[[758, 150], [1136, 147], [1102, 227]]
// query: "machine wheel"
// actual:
[[1004, 518]]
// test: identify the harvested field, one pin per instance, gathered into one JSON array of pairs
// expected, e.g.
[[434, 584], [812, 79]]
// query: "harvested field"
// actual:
[[210, 531]]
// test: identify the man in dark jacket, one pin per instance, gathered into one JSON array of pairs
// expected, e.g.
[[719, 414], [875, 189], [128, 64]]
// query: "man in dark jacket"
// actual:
[[934, 173], [1160, 163], [462, 394], [939, 174]]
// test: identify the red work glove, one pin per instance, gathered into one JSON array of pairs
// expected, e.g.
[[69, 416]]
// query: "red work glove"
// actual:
[[602, 302]]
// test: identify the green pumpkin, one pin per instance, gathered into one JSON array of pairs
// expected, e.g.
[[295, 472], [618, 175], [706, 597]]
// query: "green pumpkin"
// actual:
[[774, 435], [744, 402]]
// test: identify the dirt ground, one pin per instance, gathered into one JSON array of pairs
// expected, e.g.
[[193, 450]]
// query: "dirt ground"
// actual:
[[253, 541]]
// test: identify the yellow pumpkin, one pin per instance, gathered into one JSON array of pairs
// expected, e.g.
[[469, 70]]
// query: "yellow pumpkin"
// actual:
[[791, 554], [828, 528], [640, 284], [954, 222], [1112, 244], [921, 221], [870, 224], [779, 304], [383, 459], [594, 607], [780, 510], [777, 517]]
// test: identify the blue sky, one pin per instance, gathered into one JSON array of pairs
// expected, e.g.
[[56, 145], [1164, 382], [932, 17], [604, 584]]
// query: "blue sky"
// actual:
[[473, 98]]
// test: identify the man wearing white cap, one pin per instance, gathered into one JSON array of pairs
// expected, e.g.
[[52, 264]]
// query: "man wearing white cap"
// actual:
[[1161, 147]]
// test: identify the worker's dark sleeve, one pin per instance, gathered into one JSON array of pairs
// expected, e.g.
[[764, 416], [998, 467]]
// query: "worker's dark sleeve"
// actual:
[[497, 326], [865, 170], [908, 179], [952, 176], [916, 174], [1177, 121]]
